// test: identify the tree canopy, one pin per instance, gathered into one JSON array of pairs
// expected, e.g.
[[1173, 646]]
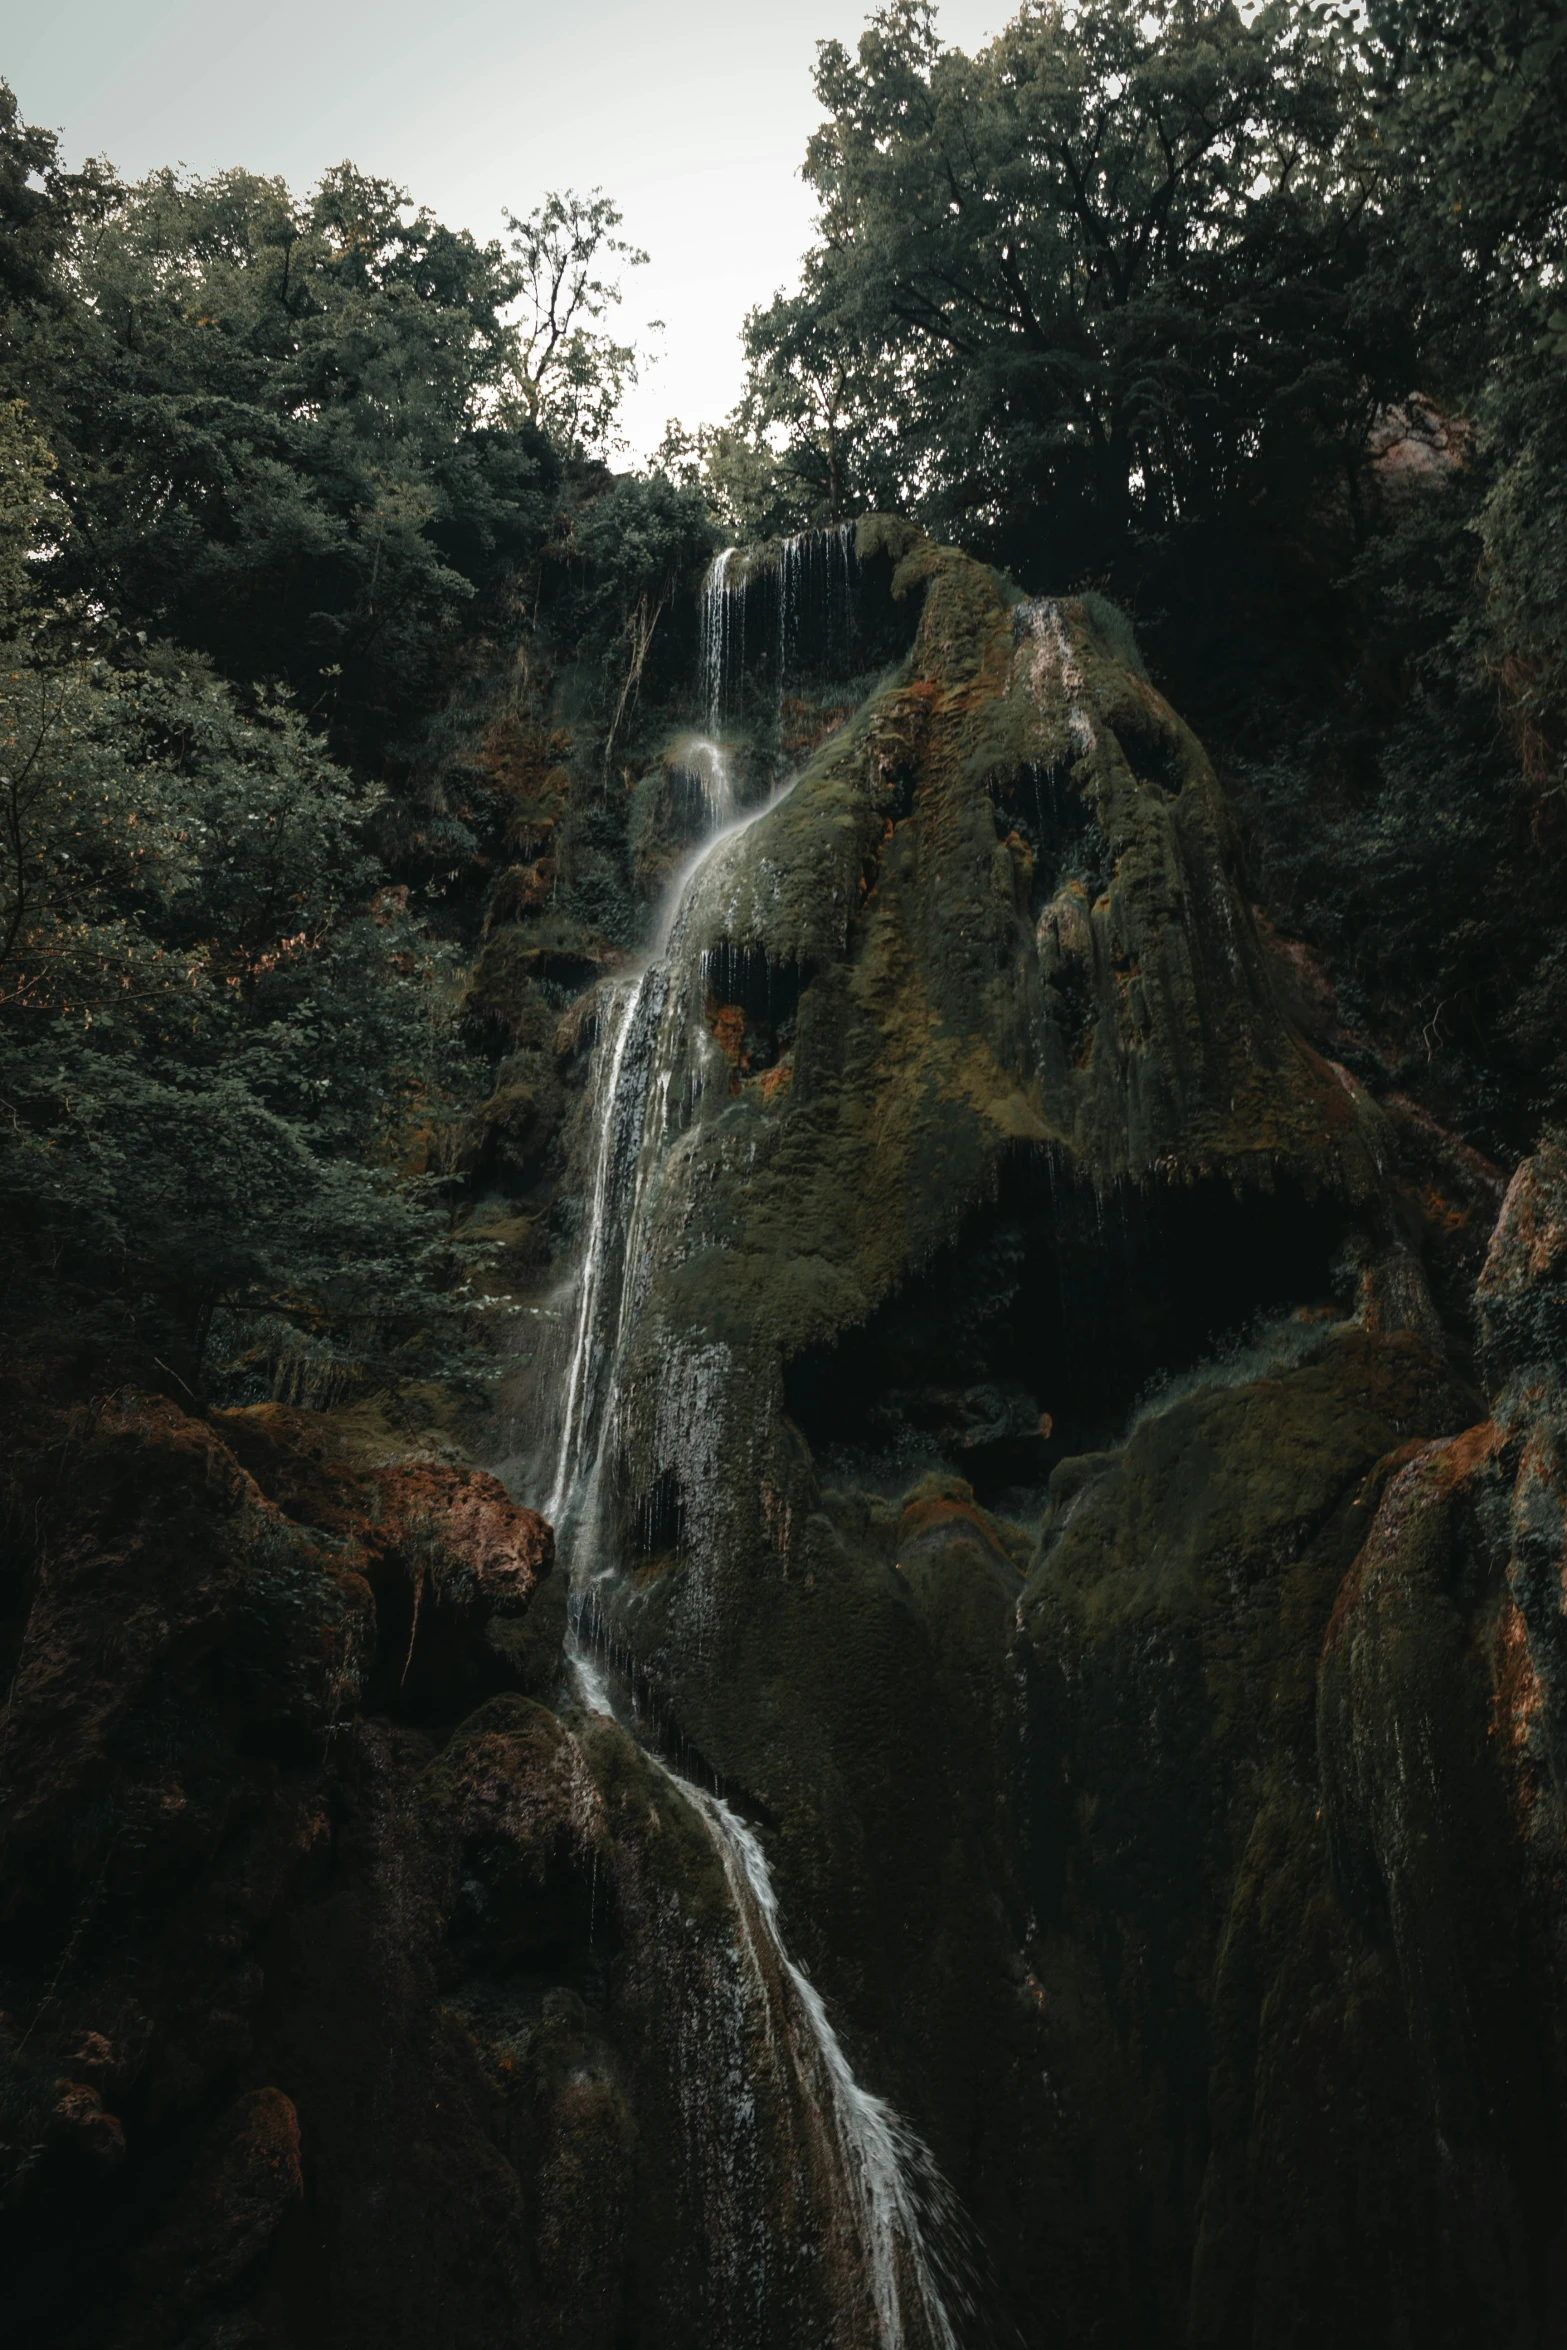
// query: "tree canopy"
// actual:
[[270, 467], [1099, 278]]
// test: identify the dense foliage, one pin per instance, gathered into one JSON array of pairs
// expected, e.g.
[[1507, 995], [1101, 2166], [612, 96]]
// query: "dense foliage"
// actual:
[[1105, 273], [270, 469], [279, 432], [216, 1039]]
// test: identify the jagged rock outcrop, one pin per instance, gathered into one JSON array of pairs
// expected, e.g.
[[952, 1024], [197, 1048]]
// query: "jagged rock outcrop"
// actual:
[[187, 1776], [349, 1996], [971, 1011]]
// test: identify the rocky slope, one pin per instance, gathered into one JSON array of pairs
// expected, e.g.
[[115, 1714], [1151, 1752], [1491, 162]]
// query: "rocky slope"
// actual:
[[1041, 1456]]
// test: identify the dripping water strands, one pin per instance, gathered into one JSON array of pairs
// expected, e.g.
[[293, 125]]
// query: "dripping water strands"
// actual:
[[721, 636], [816, 601], [799, 613], [888, 2194]]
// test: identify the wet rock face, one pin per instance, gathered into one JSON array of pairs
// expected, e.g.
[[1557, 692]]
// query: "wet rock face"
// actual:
[[1046, 1131], [1295, 1727], [1039, 1490], [1522, 1294], [1171, 1632], [1019, 1414], [188, 1780], [1018, 971], [348, 1995]]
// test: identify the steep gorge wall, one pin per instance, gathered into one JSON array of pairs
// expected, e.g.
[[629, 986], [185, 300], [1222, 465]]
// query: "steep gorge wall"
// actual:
[[1161, 1783]]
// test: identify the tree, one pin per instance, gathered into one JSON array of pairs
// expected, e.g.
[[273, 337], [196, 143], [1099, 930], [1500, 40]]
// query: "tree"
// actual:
[[214, 1044], [25, 468], [1093, 284], [281, 431], [1473, 108], [272, 475], [572, 376]]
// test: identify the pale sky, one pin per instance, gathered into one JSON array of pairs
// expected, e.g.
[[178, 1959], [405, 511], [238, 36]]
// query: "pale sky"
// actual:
[[693, 118]]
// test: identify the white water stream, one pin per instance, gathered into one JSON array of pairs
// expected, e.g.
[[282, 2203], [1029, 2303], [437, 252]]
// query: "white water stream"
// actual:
[[890, 2174], [887, 2181], [721, 651], [893, 2193], [644, 1042]]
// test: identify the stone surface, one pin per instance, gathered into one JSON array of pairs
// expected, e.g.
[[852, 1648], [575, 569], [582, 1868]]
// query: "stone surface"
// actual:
[[1058, 1510]]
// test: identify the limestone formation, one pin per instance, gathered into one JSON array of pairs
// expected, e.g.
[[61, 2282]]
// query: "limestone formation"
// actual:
[[1022, 1797]]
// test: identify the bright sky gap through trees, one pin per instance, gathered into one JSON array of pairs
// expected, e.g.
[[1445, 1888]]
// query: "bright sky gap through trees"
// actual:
[[693, 120]]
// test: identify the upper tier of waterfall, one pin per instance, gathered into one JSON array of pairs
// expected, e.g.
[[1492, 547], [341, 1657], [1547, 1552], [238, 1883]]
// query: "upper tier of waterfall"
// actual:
[[769, 615]]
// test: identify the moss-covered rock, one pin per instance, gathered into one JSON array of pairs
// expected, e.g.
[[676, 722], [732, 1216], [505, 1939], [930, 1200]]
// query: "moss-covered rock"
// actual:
[[1053, 1840], [1176, 1836]]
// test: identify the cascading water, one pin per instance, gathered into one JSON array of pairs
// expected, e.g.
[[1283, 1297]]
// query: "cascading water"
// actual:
[[895, 2190], [811, 584], [644, 1041], [887, 2190], [721, 638]]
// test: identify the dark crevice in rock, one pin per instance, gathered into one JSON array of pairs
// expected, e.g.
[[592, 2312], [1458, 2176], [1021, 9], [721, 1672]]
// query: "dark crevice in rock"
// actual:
[[810, 612], [752, 1004], [1151, 754], [767, 990], [1047, 810], [1030, 1337]]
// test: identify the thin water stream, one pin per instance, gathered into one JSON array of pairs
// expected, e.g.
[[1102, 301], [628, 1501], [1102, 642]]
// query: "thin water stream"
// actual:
[[886, 2181], [897, 2202], [645, 1042], [894, 2187]]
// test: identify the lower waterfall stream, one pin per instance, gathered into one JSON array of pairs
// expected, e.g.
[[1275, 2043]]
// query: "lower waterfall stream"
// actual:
[[899, 2206], [888, 2171], [888, 2194]]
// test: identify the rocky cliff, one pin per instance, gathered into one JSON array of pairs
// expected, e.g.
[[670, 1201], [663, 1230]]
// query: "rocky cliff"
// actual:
[[1028, 1807]]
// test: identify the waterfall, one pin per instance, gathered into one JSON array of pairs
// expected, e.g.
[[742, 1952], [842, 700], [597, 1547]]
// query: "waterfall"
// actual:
[[890, 2191], [721, 633], [894, 2186], [813, 590], [887, 2189], [617, 1133], [642, 1044]]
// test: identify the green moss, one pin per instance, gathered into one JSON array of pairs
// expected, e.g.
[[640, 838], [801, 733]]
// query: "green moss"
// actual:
[[1114, 629]]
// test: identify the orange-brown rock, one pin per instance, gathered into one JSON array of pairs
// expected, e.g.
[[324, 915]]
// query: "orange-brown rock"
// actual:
[[246, 2178], [451, 1560], [198, 1610], [1522, 1293], [159, 1537]]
